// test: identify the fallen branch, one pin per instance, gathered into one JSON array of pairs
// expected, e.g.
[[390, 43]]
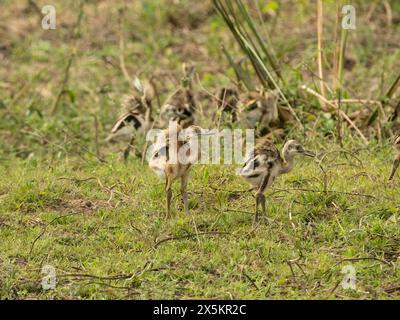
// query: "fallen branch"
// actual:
[[188, 236], [232, 191], [292, 271], [77, 180], [358, 101], [328, 191], [44, 230], [253, 283], [356, 260], [128, 289], [392, 289], [90, 276], [109, 189], [361, 164], [238, 211]]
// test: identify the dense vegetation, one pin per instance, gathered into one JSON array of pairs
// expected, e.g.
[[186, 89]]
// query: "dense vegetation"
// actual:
[[67, 200]]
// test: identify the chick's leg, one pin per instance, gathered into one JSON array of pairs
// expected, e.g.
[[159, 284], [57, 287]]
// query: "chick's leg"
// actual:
[[260, 201], [168, 192], [396, 163], [260, 197], [184, 183]]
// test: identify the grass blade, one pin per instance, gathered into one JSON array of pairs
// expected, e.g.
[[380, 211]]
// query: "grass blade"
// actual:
[[393, 88], [236, 33], [342, 53], [319, 36], [268, 54]]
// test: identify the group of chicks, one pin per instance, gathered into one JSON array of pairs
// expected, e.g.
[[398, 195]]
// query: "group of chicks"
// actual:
[[253, 109]]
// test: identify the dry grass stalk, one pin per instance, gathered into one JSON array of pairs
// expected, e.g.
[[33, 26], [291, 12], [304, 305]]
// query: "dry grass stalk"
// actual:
[[75, 34], [319, 36]]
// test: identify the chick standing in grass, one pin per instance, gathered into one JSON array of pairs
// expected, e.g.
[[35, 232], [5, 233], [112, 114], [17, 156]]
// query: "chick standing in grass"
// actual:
[[264, 164], [181, 105], [172, 157], [396, 161]]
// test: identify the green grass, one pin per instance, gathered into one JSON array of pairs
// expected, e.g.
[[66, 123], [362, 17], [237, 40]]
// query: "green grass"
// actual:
[[102, 226], [126, 235]]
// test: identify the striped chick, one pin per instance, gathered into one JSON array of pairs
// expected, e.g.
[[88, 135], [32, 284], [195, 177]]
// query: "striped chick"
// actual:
[[264, 164]]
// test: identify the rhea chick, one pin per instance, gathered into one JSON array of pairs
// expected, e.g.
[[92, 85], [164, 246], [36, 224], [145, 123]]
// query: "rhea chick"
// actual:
[[136, 117], [172, 157], [396, 161], [258, 109], [136, 113], [265, 164]]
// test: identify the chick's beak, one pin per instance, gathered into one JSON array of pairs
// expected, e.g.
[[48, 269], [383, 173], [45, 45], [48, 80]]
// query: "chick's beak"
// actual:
[[308, 153], [208, 133]]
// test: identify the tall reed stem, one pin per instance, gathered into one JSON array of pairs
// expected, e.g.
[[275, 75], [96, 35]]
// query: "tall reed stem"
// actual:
[[319, 36]]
